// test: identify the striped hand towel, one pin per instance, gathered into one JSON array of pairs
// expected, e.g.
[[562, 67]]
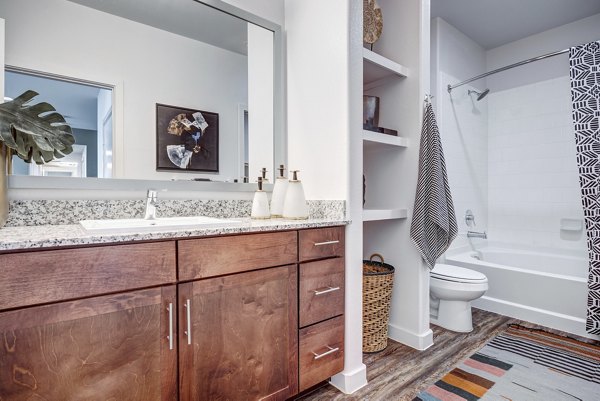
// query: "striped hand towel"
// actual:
[[433, 226]]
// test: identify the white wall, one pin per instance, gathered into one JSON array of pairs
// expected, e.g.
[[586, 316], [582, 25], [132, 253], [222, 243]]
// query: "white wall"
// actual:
[[272, 10], [511, 156], [317, 76], [162, 68], [260, 102], [462, 121], [576, 33], [533, 177]]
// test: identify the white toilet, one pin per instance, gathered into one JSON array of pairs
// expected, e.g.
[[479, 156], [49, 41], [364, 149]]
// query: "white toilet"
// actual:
[[452, 289]]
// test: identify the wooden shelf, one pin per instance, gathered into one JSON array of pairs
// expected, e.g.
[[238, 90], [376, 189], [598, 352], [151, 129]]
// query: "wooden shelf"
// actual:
[[377, 69], [371, 138], [384, 214]]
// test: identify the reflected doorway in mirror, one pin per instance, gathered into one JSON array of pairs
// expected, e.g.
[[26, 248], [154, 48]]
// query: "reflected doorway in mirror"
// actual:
[[186, 139]]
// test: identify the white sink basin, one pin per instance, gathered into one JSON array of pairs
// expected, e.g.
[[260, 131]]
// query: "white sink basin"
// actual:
[[151, 225]]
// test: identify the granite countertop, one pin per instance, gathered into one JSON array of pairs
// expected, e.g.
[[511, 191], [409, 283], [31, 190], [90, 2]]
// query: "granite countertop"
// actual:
[[49, 236]]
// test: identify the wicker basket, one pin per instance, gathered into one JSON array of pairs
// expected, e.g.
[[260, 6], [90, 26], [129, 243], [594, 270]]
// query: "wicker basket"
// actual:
[[378, 279]]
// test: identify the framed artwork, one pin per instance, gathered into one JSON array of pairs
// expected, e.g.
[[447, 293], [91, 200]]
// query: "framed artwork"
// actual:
[[186, 139]]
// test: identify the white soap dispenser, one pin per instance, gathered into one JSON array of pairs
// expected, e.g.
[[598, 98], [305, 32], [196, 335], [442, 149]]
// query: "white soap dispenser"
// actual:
[[278, 196], [260, 204], [294, 206]]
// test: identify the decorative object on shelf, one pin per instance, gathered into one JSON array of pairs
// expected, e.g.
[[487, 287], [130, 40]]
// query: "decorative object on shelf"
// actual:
[[372, 22], [294, 205], [371, 116], [370, 111], [378, 281], [34, 133], [260, 204], [186, 139], [278, 196]]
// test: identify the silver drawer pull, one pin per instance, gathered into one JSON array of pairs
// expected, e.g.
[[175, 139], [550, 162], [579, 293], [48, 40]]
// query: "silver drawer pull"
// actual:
[[170, 336], [327, 290], [188, 332], [327, 243], [331, 351]]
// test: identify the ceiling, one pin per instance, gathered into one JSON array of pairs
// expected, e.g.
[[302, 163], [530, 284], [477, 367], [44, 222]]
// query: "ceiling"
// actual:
[[182, 17], [493, 23]]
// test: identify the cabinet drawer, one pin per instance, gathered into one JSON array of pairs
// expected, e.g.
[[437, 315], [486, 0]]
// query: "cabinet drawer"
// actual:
[[207, 257], [321, 243], [321, 351], [38, 277], [321, 290]]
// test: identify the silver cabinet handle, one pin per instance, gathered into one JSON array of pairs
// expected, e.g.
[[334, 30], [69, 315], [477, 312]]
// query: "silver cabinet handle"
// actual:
[[329, 352], [326, 290], [170, 336], [327, 243], [188, 317]]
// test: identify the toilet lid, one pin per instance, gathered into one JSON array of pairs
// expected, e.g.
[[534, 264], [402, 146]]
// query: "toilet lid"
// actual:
[[455, 273]]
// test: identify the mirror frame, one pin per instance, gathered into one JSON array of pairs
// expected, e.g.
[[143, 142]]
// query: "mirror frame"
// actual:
[[280, 155]]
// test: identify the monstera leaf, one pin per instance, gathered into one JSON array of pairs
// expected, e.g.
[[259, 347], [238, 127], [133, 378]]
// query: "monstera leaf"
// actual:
[[35, 132]]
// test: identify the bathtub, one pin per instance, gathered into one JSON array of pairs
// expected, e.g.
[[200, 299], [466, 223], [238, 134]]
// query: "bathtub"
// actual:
[[542, 286]]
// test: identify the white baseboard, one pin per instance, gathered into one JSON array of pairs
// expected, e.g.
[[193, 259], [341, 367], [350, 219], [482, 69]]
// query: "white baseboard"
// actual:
[[349, 382], [558, 321], [420, 341]]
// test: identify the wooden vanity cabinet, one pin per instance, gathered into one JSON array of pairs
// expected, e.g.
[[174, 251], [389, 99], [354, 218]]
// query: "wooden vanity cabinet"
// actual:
[[238, 336], [194, 319], [74, 326], [107, 347], [321, 293]]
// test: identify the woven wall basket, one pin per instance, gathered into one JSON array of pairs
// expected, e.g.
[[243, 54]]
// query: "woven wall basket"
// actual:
[[378, 280]]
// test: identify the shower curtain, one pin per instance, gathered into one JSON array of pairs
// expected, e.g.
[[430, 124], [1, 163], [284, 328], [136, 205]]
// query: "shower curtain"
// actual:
[[585, 95]]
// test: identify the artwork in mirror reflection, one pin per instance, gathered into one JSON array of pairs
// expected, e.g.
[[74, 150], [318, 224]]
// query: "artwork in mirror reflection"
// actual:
[[186, 139], [204, 59], [86, 108]]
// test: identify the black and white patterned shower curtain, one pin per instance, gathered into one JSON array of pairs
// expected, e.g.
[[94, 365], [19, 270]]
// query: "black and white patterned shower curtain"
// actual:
[[585, 95]]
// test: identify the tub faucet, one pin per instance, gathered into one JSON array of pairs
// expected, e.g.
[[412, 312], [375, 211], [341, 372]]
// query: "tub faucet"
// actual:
[[475, 234], [151, 202]]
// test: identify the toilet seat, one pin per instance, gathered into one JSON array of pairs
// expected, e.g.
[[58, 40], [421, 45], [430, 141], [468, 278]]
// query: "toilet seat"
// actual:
[[457, 274]]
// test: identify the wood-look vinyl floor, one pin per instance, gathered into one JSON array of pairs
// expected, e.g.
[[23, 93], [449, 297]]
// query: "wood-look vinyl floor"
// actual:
[[399, 372]]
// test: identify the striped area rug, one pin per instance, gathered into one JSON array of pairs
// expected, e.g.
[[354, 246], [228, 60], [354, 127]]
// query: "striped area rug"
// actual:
[[523, 364]]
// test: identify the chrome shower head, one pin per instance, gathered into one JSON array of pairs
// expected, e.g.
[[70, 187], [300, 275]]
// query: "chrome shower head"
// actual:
[[480, 95]]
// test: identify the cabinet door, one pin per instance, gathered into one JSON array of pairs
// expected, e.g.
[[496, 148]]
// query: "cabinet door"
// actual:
[[238, 336], [115, 347]]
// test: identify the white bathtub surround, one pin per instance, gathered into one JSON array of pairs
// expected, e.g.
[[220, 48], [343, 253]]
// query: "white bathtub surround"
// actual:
[[58, 212], [462, 121], [533, 178], [547, 286]]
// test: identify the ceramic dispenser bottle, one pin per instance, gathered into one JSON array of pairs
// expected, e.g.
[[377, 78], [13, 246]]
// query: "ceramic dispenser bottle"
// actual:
[[294, 205], [278, 196], [260, 204]]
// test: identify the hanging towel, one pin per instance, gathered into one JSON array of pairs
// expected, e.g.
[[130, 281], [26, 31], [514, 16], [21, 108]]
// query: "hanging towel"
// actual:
[[433, 226]]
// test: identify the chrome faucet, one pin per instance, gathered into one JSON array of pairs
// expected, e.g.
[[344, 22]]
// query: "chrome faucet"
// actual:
[[151, 202], [476, 234]]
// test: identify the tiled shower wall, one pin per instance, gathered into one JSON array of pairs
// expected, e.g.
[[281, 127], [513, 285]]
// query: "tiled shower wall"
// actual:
[[463, 127], [532, 172]]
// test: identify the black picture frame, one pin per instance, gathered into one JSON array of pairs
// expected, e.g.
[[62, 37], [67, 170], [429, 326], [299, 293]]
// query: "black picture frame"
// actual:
[[183, 142]]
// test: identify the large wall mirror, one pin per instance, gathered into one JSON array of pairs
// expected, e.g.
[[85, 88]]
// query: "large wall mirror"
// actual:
[[165, 90]]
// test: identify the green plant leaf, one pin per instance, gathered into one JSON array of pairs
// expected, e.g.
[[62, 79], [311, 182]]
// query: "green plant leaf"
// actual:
[[37, 132]]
